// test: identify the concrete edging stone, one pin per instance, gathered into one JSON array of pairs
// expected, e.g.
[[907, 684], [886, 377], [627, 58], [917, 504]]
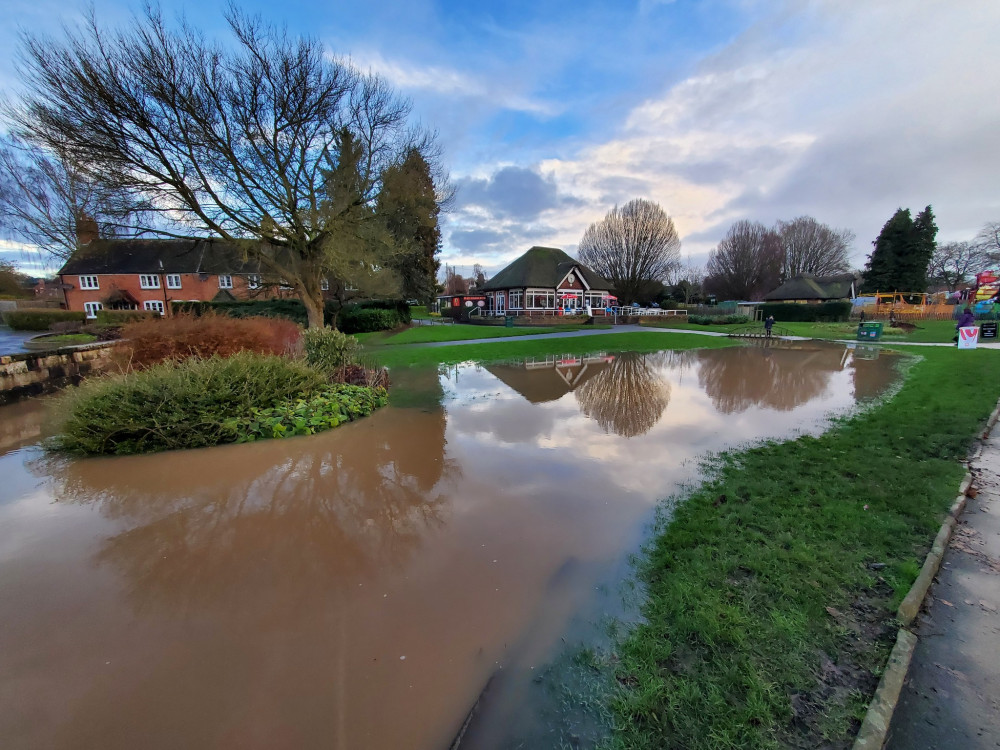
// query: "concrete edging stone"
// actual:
[[875, 727]]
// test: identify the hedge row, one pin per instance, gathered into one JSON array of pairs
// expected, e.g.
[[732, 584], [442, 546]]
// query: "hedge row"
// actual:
[[374, 315], [40, 319], [824, 312], [121, 317]]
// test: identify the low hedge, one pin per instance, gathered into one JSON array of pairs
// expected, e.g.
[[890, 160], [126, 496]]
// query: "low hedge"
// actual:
[[824, 312], [353, 318], [40, 319], [708, 320], [306, 416], [121, 317]]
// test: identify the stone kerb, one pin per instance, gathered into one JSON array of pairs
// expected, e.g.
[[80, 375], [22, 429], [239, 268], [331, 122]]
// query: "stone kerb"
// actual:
[[35, 373]]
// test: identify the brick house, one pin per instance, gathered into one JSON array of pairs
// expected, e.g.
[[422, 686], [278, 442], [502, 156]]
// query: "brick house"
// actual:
[[547, 281], [149, 274]]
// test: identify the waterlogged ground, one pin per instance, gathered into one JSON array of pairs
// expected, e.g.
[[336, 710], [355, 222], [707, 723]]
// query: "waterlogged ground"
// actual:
[[360, 588]]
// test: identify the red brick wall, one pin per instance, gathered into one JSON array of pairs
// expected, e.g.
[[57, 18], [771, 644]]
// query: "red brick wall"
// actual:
[[192, 288]]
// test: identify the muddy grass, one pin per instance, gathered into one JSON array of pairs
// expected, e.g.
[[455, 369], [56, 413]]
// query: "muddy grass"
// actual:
[[772, 587]]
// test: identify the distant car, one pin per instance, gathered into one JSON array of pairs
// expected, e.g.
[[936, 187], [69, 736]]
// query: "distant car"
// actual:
[[412, 302]]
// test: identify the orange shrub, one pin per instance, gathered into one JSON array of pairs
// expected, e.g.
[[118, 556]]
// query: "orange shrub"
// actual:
[[147, 342]]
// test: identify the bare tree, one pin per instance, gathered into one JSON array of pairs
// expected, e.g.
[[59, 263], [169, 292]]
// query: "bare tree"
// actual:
[[268, 142], [955, 263], [746, 264], [813, 248], [453, 282], [46, 198], [988, 241], [632, 246]]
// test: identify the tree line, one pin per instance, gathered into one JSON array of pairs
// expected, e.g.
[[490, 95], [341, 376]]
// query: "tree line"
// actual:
[[308, 165]]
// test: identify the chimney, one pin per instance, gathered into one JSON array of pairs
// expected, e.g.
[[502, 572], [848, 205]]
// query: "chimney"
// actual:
[[86, 230]]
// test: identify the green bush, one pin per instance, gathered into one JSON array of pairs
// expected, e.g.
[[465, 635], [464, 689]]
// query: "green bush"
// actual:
[[121, 317], [40, 319], [328, 350], [707, 320], [305, 416], [824, 312], [361, 320], [189, 405], [292, 309]]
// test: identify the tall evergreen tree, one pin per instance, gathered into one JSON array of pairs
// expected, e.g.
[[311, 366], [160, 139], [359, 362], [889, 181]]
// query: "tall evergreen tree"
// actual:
[[408, 206], [902, 253]]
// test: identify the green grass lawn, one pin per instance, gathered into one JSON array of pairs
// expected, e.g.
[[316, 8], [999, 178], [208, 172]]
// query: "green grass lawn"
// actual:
[[457, 332], [927, 331], [68, 339], [420, 312], [764, 624]]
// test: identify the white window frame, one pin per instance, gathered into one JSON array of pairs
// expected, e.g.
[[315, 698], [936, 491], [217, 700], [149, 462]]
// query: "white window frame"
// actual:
[[173, 281], [154, 305], [91, 309], [324, 285], [550, 298], [90, 282], [516, 299], [253, 281], [225, 281], [149, 281]]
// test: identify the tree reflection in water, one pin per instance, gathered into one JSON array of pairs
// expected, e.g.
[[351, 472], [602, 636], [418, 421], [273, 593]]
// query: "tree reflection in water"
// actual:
[[290, 519], [628, 397]]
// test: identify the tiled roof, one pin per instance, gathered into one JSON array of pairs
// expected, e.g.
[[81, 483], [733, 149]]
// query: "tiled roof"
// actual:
[[145, 256], [543, 267], [809, 287]]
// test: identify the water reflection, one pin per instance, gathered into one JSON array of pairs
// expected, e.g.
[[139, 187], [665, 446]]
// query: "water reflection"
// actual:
[[628, 397]]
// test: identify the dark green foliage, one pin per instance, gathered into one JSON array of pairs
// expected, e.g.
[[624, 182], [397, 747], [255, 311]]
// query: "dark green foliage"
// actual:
[[353, 318], [305, 416], [189, 405], [824, 312], [121, 317], [902, 253], [40, 319], [328, 350], [751, 583], [408, 207], [711, 320]]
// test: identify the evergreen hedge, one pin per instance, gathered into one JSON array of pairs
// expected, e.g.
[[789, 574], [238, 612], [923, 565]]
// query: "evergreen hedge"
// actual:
[[40, 319], [372, 315], [824, 312]]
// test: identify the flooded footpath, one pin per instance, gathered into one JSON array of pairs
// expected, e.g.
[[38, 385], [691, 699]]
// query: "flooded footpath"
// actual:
[[359, 588]]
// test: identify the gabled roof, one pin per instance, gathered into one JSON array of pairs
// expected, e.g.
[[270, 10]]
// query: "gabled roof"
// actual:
[[544, 267], [807, 286], [144, 256]]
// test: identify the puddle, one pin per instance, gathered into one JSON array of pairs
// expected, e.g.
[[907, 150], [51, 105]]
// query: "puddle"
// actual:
[[359, 588]]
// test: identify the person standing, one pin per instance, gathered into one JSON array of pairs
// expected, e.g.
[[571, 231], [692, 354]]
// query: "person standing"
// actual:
[[965, 320], [768, 324]]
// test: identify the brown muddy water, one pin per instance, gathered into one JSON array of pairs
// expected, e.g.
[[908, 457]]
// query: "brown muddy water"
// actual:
[[359, 588]]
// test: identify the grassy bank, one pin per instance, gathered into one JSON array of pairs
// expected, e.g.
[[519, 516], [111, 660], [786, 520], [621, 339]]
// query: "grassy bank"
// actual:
[[927, 331], [395, 357], [457, 332], [772, 591]]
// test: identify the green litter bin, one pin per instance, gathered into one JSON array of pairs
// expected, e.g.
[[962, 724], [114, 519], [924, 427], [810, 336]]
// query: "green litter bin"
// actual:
[[508, 321], [869, 331]]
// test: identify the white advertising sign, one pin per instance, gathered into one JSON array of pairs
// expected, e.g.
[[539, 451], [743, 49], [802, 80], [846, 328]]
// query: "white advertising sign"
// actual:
[[968, 337]]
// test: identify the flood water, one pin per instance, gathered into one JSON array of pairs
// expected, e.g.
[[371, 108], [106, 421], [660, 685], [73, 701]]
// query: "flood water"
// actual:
[[359, 588]]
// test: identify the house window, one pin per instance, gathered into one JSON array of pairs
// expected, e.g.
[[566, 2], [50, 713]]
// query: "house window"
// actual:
[[595, 300], [253, 281], [173, 281], [89, 282], [154, 305], [516, 300], [324, 285], [541, 299], [91, 308], [149, 281], [225, 281]]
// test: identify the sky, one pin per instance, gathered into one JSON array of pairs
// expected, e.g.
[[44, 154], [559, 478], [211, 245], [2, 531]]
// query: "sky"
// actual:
[[551, 113]]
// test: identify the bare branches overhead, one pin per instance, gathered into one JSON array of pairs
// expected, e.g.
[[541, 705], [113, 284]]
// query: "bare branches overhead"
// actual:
[[814, 248]]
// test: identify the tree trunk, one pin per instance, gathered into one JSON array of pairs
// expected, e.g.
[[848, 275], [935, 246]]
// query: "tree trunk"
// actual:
[[314, 309]]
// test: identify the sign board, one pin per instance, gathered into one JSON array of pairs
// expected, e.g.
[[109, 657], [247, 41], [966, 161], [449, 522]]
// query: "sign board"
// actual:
[[968, 337], [988, 331]]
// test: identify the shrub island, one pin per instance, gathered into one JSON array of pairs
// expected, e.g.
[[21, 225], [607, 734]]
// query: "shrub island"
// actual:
[[190, 382]]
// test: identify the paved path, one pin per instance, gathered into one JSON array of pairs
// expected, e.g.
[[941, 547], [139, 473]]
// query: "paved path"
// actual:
[[951, 698], [10, 341]]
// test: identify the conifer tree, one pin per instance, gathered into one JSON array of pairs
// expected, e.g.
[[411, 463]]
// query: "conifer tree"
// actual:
[[902, 253]]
